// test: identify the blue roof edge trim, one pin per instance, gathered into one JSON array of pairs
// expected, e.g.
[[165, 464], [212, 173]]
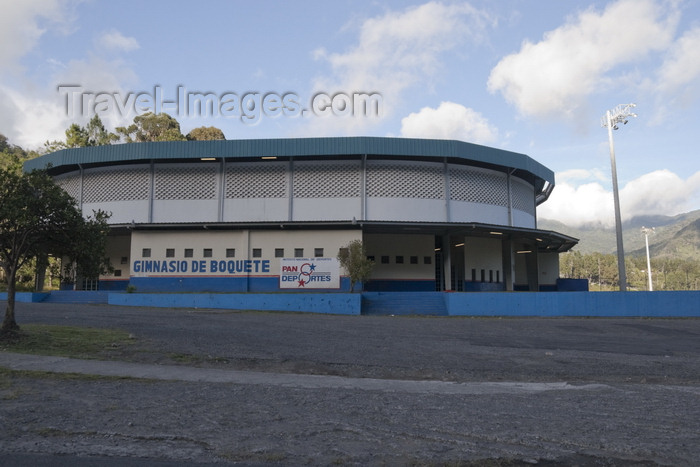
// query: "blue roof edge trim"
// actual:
[[292, 147]]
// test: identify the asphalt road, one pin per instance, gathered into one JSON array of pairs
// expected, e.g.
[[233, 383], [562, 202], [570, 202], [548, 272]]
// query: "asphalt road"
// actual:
[[567, 391]]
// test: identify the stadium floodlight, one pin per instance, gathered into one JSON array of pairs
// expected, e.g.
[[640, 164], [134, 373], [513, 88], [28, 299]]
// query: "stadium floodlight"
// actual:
[[619, 114], [647, 231]]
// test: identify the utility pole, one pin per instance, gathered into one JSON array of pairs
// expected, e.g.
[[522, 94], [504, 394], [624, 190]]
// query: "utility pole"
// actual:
[[647, 231]]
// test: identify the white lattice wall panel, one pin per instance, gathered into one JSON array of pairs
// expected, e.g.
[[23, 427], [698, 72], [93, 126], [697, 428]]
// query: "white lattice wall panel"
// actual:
[[327, 180], [476, 186], [186, 182], [405, 180], [323, 190], [70, 184], [523, 196], [256, 181], [115, 185]]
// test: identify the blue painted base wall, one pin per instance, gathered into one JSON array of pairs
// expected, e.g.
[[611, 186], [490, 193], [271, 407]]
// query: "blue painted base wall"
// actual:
[[116, 285], [601, 304], [27, 297], [338, 303], [543, 304]]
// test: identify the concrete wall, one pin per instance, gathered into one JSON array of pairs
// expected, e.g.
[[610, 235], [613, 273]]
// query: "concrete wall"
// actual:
[[483, 254], [339, 303], [397, 247], [520, 268], [596, 304], [244, 244], [26, 297], [118, 251], [661, 304], [548, 264], [257, 250], [410, 261]]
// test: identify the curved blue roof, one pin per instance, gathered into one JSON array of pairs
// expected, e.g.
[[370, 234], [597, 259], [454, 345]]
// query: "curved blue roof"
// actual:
[[293, 147]]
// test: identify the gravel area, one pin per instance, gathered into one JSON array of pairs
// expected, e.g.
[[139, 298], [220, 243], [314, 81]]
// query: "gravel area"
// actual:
[[570, 392]]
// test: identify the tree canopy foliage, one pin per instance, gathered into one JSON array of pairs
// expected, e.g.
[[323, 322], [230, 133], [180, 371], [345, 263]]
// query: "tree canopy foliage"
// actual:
[[146, 127], [601, 270], [37, 218], [353, 258], [205, 133], [92, 134], [151, 127], [12, 157]]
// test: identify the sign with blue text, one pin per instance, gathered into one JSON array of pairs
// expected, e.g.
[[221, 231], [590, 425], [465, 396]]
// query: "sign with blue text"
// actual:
[[309, 273], [218, 267]]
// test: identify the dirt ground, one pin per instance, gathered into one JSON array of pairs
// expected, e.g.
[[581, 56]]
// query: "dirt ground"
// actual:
[[518, 392]]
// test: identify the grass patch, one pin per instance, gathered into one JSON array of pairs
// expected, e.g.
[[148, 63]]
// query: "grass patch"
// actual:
[[66, 341]]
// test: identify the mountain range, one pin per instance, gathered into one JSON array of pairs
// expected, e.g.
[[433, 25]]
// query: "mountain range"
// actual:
[[673, 236]]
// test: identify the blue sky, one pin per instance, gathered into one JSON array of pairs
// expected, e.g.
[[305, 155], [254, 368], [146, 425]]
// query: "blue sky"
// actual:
[[530, 76]]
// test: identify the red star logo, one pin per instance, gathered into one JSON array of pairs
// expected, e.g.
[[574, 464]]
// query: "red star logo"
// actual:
[[302, 283]]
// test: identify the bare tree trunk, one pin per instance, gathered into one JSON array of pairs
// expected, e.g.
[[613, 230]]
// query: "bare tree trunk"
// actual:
[[9, 324]]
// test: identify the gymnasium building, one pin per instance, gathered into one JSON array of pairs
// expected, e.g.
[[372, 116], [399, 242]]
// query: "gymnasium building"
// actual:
[[271, 215]]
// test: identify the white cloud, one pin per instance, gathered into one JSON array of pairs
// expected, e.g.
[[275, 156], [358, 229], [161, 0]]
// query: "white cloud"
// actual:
[[658, 192], [21, 28], [30, 119], [27, 118], [115, 40], [449, 121], [581, 175], [32, 113], [675, 82], [682, 65], [553, 77], [398, 50], [578, 205]]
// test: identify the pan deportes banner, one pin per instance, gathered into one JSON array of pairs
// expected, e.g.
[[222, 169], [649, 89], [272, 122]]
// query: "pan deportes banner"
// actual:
[[309, 273]]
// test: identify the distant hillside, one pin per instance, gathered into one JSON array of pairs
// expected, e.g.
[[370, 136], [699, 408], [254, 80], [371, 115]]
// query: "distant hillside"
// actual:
[[674, 236], [684, 244]]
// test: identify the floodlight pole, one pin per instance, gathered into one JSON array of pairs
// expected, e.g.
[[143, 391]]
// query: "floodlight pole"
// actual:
[[646, 240], [618, 218], [612, 117]]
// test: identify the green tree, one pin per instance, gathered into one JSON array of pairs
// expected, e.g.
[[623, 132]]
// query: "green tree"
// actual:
[[668, 273], [11, 156], [609, 272], [151, 127], [37, 217], [567, 265], [4, 145], [77, 136], [53, 146], [93, 134], [205, 133], [98, 134], [353, 259]]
